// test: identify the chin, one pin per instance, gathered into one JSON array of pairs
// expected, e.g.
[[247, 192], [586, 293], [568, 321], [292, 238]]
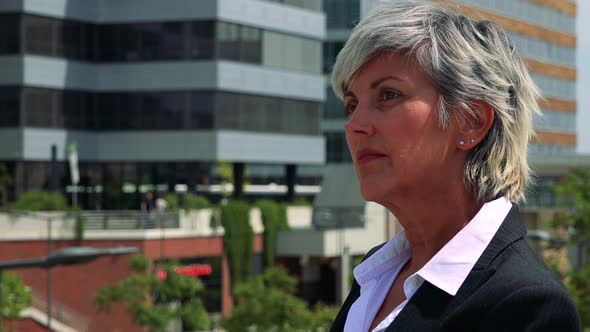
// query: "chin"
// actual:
[[373, 192]]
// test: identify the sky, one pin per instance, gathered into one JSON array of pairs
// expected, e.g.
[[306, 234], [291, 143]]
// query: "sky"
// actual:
[[583, 79]]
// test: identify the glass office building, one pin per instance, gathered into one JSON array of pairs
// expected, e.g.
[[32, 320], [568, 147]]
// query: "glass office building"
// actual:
[[157, 96]]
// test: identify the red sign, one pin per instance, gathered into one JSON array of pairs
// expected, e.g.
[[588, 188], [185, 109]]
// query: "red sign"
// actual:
[[195, 271]]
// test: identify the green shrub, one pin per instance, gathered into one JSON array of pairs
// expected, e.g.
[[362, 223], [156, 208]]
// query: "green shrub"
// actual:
[[190, 202], [274, 219], [16, 297], [195, 202], [172, 201], [41, 201], [237, 239]]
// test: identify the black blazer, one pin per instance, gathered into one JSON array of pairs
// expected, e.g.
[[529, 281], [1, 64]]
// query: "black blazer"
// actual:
[[508, 289]]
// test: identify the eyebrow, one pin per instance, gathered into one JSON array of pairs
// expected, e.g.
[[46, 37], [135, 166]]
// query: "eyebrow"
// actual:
[[376, 83], [383, 79]]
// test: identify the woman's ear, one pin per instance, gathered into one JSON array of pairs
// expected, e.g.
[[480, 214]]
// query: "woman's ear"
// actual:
[[475, 126]]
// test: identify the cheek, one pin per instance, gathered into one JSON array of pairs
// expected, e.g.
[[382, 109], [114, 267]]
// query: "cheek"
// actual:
[[350, 141]]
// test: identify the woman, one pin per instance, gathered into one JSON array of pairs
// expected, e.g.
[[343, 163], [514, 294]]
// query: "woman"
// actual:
[[439, 113]]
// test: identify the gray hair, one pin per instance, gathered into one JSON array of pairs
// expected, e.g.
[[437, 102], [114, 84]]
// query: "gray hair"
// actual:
[[467, 61]]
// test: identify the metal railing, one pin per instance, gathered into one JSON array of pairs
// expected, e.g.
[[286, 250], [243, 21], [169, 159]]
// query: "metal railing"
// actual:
[[61, 313], [128, 219]]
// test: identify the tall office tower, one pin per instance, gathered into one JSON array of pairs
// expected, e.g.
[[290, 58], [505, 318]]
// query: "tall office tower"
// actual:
[[158, 94], [544, 32]]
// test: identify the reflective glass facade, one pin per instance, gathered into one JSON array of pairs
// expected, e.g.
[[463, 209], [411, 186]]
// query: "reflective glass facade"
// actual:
[[528, 12], [555, 87], [544, 50], [556, 121], [331, 50], [337, 148], [170, 110], [9, 28], [341, 14], [549, 149], [112, 184], [315, 5], [158, 41], [9, 107], [542, 194]]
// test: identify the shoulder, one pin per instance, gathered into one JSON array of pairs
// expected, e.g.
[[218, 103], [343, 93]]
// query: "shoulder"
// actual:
[[523, 294], [520, 265]]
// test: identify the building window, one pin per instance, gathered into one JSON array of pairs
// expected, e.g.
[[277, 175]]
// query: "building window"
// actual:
[[9, 107], [314, 5], [71, 39], [337, 148], [331, 50], [200, 112], [266, 114], [202, 40], [542, 193], [10, 28], [228, 41], [39, 107], [170, 110], [291, 52], [543, 50], [39, 35], [528, 12], [341, 14], [555, 87], [180, 40], [73, 113], [334, 108], [555, 121]]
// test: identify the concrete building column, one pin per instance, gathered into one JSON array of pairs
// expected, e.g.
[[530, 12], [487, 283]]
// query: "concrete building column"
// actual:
[[238, 174], [291, 175]]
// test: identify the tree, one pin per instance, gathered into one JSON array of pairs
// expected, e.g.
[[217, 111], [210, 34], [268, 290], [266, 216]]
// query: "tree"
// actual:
[[15, 296], [574, 193], [154, 303], [268, 303]]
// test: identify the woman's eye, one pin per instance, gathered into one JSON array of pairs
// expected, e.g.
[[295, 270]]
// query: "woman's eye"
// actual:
[[389, 95], [349, 109]]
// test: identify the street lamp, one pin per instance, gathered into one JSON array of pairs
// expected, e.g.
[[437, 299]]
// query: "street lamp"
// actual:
[[66, 256]]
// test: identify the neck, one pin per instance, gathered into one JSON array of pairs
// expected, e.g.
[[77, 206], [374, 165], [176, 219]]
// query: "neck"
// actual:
[[432, 219]]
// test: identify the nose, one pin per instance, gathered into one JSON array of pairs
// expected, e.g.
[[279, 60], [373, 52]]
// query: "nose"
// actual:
[[359, 123]]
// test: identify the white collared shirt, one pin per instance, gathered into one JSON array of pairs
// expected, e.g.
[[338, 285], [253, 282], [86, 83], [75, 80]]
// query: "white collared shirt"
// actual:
[[447, 270]]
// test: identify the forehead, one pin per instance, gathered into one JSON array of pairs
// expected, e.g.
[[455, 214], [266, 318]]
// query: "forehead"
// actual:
[[392, 64]]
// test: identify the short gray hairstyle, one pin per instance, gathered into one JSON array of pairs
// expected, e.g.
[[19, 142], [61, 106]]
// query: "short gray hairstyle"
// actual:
[[467, 61]]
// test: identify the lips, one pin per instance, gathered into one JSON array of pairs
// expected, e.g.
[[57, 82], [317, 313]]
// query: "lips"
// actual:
[[365, 156]]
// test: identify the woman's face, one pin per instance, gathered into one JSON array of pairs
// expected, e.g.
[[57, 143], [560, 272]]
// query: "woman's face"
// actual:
[[397, 148]]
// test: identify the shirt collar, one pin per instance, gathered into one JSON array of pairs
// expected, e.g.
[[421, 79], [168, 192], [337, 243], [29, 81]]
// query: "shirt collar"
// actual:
[[396, 251], [450, 266]]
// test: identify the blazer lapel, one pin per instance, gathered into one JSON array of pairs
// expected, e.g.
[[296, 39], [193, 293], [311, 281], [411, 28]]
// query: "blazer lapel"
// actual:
[[430, 306], [511, 230], [423, 311]]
